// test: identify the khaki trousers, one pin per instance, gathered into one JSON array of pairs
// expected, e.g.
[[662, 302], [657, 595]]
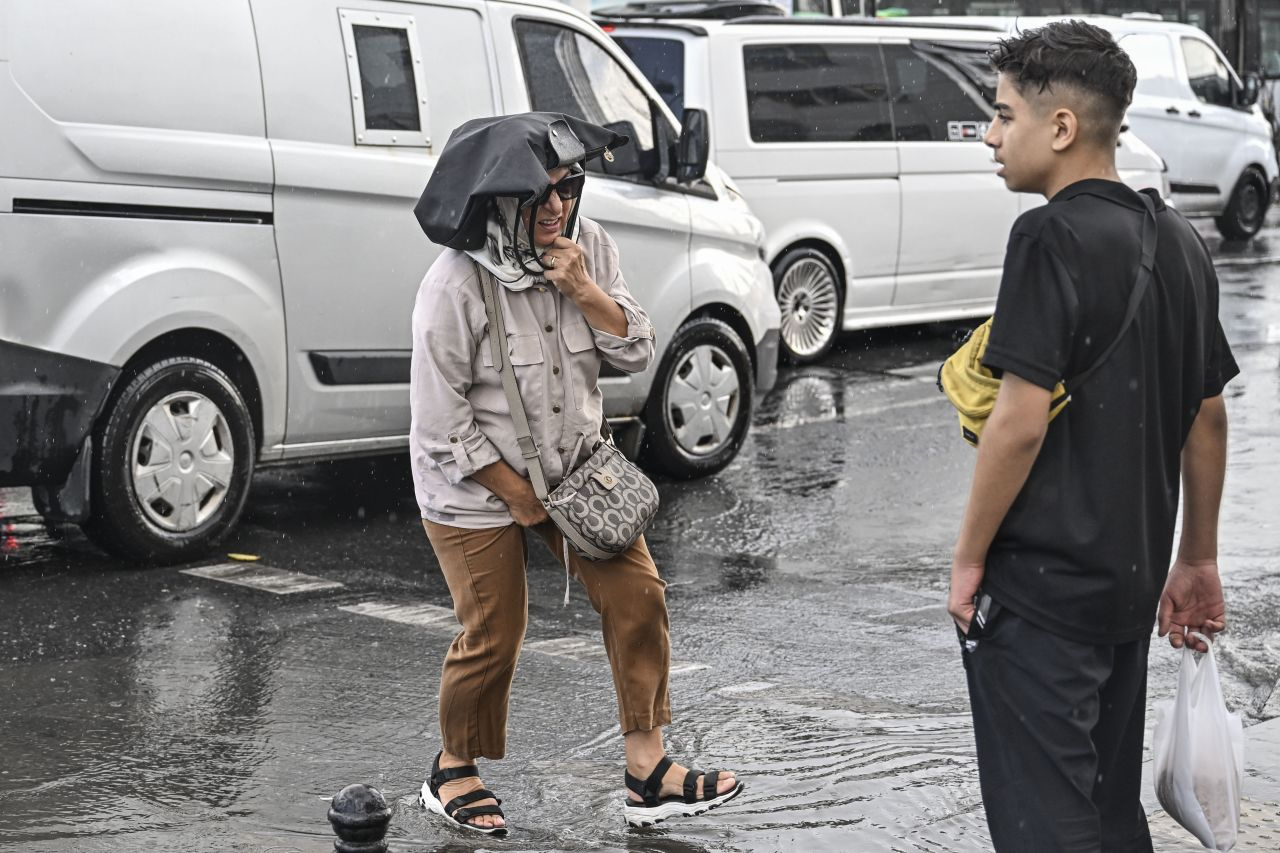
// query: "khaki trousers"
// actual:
[[485, 571]]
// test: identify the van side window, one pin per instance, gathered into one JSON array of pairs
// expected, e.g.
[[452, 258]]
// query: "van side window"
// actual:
[[932, 100], [660, 60], [385, 73], [1210, 80], [817, 93], [567, 72], [1152, 55]]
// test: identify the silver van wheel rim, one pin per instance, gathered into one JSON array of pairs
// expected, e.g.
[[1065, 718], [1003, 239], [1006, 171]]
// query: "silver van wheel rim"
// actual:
[[704, 397], [808, 296], [181, 461]]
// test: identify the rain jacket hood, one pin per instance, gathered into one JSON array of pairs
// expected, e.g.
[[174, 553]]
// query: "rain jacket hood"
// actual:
[[491, 168]]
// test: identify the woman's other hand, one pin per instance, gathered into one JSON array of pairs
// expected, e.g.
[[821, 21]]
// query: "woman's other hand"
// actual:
[[525, 508], [513, 490]]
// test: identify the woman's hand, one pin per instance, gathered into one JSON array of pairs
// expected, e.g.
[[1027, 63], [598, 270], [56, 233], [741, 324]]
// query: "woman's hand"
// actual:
[[568, 269], [513, 490], [525, 508]]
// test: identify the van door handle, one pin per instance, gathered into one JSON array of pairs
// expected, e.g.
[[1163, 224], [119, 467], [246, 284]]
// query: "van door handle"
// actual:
[[1173, 111], [1194, 114]]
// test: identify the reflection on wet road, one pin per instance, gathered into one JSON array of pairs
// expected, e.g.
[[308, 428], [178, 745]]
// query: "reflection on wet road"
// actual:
[[152, 709]]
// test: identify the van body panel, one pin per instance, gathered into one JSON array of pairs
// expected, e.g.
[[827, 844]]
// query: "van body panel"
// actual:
[[145, 66], [951, 199], [357, 293], [144, 283]]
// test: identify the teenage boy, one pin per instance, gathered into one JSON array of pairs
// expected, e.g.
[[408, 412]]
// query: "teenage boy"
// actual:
[[1067, 537]]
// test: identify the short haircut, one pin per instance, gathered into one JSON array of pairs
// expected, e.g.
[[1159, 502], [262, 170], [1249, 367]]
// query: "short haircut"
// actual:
[[1077, 59]]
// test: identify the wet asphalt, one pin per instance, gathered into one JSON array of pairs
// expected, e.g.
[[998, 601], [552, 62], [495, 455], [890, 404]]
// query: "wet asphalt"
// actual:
[[151, 709]]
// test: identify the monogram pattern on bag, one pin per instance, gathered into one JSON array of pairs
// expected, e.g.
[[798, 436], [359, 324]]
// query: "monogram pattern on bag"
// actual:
[[609, 518]]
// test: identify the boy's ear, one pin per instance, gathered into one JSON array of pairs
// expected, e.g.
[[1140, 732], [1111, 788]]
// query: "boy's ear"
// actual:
[[1066, 129]]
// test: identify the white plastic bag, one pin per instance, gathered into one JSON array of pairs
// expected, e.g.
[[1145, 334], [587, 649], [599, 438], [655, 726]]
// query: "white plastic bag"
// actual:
[[1199, 754]]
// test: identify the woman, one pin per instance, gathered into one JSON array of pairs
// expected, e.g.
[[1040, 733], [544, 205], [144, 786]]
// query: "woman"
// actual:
[[504, 196]]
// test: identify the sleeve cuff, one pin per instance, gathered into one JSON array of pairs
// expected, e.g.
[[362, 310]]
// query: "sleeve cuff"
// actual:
[[469, 455], [638, 329], [999, 359]]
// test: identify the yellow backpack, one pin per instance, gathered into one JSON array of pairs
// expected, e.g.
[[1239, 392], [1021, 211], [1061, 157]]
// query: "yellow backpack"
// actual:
[[972, 388]]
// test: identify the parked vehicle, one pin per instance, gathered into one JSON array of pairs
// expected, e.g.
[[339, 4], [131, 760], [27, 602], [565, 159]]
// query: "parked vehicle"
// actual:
[[859, 144], [1195, 112], [210, 256]]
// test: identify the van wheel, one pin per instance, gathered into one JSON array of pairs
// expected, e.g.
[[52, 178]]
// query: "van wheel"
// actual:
[[1247, 209], [700, 406], [175, 456], [811, 301]]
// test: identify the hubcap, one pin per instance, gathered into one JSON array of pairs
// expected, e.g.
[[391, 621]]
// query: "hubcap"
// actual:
[[808, 296], [703, 400], [181, 460], [1250, 204]]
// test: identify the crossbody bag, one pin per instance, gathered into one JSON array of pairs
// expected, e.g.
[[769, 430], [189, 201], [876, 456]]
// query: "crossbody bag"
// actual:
[[971, 387], [601, 507]]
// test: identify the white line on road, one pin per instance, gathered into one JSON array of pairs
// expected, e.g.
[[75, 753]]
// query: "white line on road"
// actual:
[[265, 578], [792, 423], [421, 615]]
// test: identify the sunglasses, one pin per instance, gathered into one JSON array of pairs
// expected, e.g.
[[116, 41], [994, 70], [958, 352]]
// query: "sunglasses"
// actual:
[[568, 189]]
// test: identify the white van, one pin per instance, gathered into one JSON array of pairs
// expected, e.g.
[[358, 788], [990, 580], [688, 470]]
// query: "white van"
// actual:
[[858, 143], [1194, 111], [208, 255]]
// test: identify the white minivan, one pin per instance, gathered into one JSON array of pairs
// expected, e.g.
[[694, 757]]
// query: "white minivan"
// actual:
[[1194, 111], [858, 143], [208, 254]]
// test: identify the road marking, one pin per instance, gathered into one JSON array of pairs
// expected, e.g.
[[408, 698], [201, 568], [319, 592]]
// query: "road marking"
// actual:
[[265, 578], [1246, 262], [575, 647], [849, 413], [421, 615], [1273, 333]]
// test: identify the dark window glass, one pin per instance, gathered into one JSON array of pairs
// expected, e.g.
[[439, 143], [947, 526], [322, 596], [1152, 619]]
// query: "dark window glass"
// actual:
[[386, 78], [662, 61], [817, 93], [933, 99], [572, 74], [1210, 80]]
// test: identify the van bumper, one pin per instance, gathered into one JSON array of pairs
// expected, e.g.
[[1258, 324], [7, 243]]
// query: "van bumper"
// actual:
[[767, 361], [48, 403]]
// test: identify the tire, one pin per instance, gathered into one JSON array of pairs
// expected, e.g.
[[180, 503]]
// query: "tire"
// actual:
[[699, 408], [811, 300], [175, 454], [1247, 209]]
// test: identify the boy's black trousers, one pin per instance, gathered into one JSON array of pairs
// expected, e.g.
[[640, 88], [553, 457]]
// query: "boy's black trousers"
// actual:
[[1059, 728]]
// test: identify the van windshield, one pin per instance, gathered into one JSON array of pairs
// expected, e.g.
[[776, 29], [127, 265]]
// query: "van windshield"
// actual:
[[662, 61]]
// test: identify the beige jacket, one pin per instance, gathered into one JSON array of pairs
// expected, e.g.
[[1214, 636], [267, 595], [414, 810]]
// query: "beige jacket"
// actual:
[[460, 418]]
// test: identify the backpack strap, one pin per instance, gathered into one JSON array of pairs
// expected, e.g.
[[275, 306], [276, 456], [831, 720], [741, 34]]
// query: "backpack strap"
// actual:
[[1146, 270]]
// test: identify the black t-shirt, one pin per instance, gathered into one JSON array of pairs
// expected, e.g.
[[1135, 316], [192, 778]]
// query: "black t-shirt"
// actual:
[[1085, 548]]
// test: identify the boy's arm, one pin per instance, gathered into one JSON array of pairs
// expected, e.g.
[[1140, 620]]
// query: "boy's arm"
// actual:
[[1192, 598], [1010, 443]]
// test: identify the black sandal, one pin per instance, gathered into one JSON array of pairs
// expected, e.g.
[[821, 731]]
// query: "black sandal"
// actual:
[[459, 810], [654, 809]]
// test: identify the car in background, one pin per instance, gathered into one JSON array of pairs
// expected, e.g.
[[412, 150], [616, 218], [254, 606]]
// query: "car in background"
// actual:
[[858, 143], [1194, 111], [218, 262]]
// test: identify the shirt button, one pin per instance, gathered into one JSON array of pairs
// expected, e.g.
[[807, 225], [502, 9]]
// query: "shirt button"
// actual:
[[548, 327], [453, 439], [555, 371], [542, 290], [555, 409]]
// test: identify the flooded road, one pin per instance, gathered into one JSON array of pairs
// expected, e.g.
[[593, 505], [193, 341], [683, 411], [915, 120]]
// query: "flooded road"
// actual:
[[202, 708]]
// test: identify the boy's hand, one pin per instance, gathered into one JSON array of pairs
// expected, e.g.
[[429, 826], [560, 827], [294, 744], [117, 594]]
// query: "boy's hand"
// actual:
[[1192, 601]]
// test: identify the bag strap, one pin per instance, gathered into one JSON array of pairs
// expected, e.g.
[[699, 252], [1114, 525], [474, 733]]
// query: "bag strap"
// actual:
[[1146, 270], [502, 359]]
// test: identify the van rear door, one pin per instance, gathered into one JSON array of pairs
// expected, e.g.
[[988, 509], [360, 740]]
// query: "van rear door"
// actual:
[[358, 102]]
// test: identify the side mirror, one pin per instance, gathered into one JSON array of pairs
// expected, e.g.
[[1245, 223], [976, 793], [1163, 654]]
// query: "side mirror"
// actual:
[[694, 147], [1249, 92], [626, 160]]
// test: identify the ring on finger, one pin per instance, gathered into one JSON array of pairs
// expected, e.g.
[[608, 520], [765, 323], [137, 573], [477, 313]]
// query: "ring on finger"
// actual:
[[551, 260]]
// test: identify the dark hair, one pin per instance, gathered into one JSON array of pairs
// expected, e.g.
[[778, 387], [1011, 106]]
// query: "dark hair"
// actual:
[[1073, 55]]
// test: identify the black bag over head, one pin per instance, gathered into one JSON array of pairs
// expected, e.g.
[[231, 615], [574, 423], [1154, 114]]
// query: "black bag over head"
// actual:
[[501, 156]]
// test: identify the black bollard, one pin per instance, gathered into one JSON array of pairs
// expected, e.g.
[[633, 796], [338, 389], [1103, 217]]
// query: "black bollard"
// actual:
[[359, 815]]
